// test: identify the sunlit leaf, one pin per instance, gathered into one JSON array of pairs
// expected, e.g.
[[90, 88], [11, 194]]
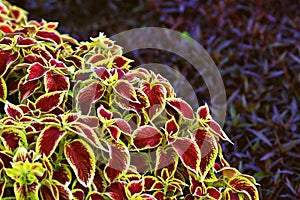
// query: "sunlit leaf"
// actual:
[[81, 158], [146, 137], [189, 153], [49, 101], [118, 163], [48, 140]]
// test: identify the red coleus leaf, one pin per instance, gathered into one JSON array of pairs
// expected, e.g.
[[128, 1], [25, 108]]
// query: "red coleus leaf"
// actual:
[[27, 88], [48, 36], [49, 139], [34, 58], [64, 192], [63, 174], [121, 62], [57, 64], [118, 163], [135, 187], [3, 89], [116, 191], [140, 161], [76, 61], [3, 9], [214, 193], [156, 93], [13, 111], [182, 107], [102, 73], [48, 191], [126, 90], [25, 42], [152, 183], [86, 132], [6, 40], [6, 159], [114, 131], [5, 28], [49, 101], [78, 194], [146, 137], [189, 153], [99, 183], [17, 13], [95, 196], [104, 113], [91, 121], [203, 112], [6, 59], [215, 129], [244, 185], [171, 127], [35, 71], [230, 195], [12, 138], [141, 103], [89, 95], [209, 150], [81, 158], [196, 186], [123, 126], [56, 82], [166, 158]]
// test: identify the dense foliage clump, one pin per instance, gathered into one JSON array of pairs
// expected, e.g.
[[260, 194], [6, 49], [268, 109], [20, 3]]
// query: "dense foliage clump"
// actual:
[[78, 123]]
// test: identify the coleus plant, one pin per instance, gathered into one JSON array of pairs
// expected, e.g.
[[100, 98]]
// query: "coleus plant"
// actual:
[[78, 123]]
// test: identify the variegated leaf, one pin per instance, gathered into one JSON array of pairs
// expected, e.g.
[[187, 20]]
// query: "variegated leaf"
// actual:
[[209, 150], [99, 183], [134, 187], [203, 112], [118, 163], [48, 191], [116, 191], [63, 174], [126, 90], [48, 140], [182, 107], [86, 132], [167, 158], [123, 126], [26, 89], [121, 62], [95, 196], [189, 153], [88, 95], [214, 193], [13, 111], [35, 71], [145, 137], [78, 194], [12, 138], [244, 185], [56, 82], [49, 101], [81, 158], [215, 129], [48, 36], [64, 192]]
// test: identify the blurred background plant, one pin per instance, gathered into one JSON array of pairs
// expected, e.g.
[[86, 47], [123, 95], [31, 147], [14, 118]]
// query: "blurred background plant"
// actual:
[[255, 44]]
